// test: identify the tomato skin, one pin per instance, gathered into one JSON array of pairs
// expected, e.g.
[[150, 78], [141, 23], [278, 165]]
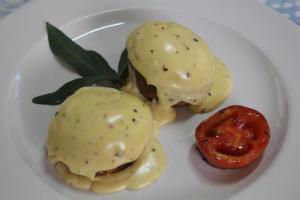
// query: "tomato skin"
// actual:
[[233, 137]]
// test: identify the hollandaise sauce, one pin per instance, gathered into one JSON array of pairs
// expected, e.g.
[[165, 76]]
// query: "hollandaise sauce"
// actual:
[[140, 173], [180, 65], [98, 130]]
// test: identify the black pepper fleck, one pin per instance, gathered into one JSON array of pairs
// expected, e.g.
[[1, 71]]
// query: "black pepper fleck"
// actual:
[[64, 115], [119, 154], [155, 35], [56, 113], [203, 110], [165, 68], [177, 52], [187, 48], [188, 74], [177, 36], [195, 40], [151, 51], [87, 162], [194, 100], [153, 149], [133, 120], [162, 28], [209, 94], [135, 110]]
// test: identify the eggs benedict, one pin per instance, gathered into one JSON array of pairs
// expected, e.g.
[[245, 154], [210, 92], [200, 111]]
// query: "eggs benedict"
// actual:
[[170, 65], [102, 139]]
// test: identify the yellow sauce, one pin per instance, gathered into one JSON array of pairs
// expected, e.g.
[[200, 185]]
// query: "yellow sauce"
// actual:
[[98, 129], [218, 91], [162, 113], [142, 172], [131, 85], [179, 64]]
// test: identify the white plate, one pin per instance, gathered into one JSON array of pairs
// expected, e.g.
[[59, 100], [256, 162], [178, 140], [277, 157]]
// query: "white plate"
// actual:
[[260, 48]]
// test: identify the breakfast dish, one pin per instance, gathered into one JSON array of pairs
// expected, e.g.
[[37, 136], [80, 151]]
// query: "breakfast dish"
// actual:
[[103, 139], [264, 74], [169, 65]]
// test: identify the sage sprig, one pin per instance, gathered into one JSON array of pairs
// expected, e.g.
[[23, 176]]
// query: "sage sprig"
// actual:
[[123, 67], [90, 65]]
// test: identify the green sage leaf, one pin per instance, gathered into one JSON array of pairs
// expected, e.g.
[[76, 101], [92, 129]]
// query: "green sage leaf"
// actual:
[[84, 62], [123, 67], [69, 88], [98, 62]]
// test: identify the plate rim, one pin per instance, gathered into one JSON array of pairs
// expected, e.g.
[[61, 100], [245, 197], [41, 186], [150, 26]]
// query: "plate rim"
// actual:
[[35, 14]]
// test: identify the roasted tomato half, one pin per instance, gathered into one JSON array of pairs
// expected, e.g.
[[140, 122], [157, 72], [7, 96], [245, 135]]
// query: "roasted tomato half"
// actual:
[[233, 137]]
